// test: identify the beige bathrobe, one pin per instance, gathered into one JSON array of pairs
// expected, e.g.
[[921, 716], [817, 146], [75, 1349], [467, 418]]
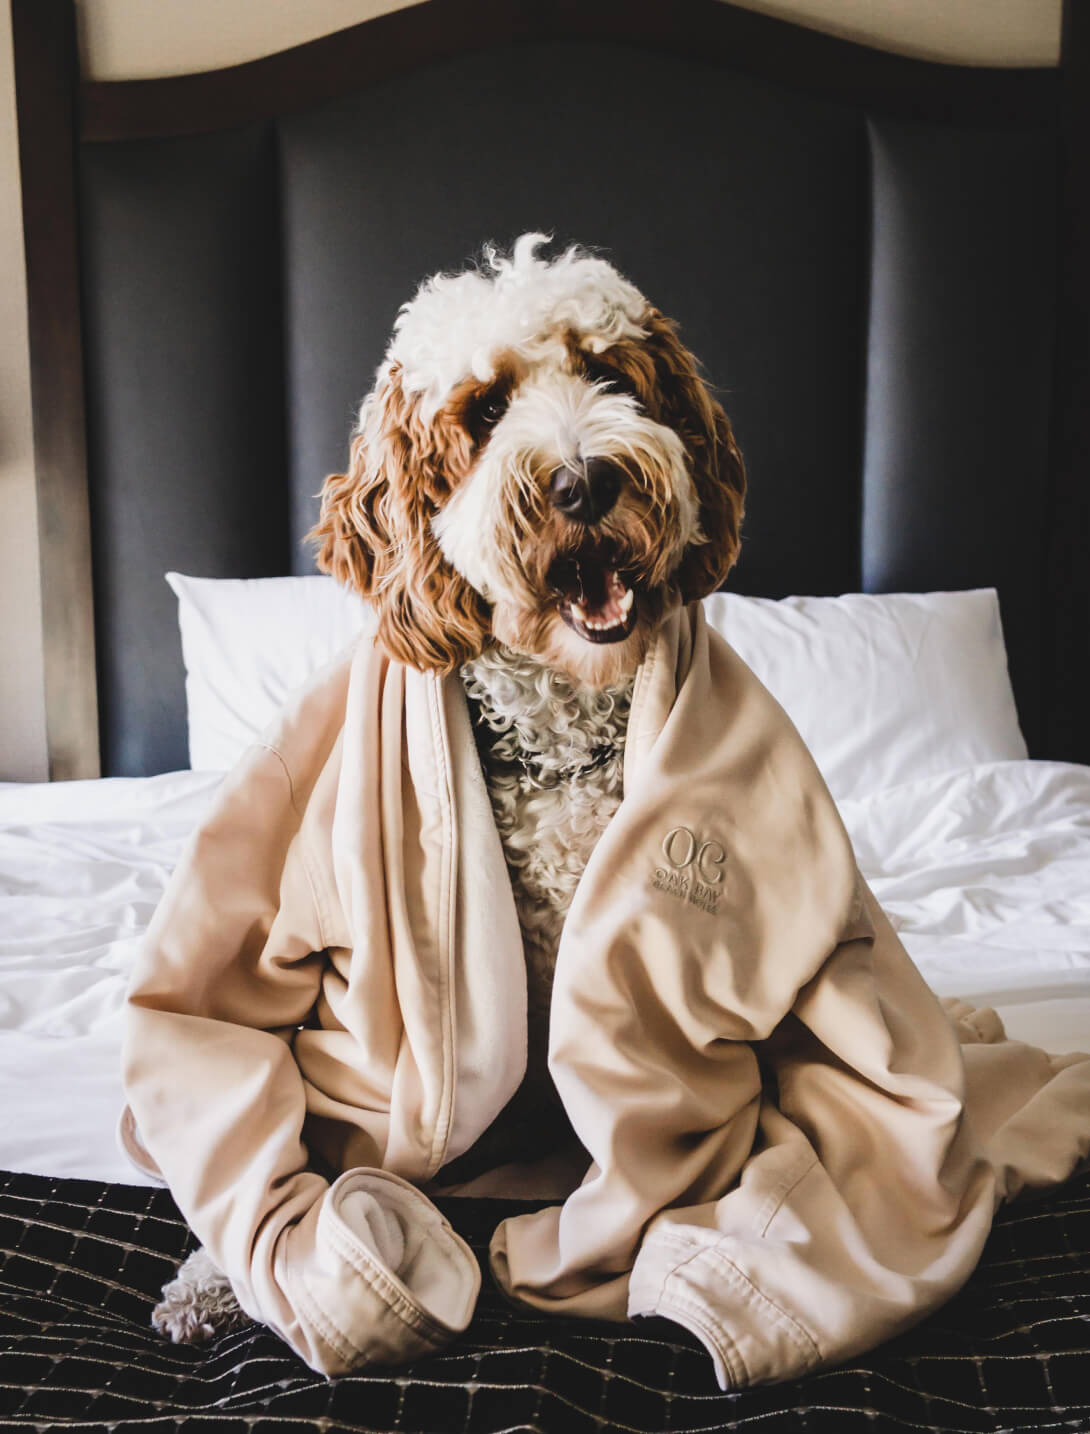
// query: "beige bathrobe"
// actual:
[[793, 1151]]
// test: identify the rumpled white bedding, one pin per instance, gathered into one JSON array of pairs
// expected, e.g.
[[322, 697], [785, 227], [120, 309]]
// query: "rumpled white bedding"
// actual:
[[984, 871]]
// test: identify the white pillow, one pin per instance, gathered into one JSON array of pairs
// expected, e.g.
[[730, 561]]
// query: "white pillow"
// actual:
[[246, 644], [884, 688]]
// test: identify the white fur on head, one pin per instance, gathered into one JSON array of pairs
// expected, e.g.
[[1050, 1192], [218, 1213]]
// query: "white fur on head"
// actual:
[[458, 323], [532, 318]]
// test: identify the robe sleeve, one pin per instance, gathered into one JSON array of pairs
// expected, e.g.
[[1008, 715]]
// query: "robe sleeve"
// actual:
[[230, 967], [867, 1199]]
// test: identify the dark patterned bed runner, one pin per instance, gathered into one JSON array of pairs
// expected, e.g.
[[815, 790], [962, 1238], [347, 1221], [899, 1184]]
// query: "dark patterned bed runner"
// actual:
[[81, 1265]]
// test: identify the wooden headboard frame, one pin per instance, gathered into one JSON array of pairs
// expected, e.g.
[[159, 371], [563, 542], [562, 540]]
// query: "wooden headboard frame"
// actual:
[[56, 111]]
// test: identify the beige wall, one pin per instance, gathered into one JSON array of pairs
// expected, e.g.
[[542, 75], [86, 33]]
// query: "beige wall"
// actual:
[[22, 705], [125, 39]]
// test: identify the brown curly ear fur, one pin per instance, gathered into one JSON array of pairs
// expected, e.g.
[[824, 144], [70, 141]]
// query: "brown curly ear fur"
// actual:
[[718, 471], [374, 532]]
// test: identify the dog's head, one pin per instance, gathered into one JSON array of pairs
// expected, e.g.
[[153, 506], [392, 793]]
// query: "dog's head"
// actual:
[[540, 463]]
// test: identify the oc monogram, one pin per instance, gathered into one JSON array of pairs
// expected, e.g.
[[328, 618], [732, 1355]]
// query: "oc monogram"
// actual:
[[682, 848], [694, 870]]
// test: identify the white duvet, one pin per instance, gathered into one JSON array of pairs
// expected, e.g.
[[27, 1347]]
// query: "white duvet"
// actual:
[[985, 872]]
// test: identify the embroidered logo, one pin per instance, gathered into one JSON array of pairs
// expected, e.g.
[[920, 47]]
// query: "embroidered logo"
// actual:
[[693, 870]]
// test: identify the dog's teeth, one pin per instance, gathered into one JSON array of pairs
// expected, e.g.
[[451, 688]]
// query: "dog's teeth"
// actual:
[[602, 624]]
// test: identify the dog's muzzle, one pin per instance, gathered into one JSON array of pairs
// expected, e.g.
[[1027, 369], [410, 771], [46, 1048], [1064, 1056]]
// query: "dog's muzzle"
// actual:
[[596, 600]]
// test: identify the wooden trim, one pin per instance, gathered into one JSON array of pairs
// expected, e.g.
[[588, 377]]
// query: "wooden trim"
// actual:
[[1066, 638], [45, 86], [375, 50]]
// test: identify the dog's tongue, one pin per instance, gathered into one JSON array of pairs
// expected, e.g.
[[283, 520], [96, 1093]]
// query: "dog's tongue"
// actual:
[[601, 594]]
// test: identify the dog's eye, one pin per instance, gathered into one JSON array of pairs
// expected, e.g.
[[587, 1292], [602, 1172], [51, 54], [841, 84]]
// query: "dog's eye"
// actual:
[[484, 410], [487, 411], [601, 373]]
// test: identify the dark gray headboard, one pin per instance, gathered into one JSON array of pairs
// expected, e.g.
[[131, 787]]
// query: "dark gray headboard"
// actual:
[[865, 251]]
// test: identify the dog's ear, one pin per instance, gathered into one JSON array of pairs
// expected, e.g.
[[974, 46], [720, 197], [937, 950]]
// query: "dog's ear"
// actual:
[[350, 535], [374, 535], [715, 460]]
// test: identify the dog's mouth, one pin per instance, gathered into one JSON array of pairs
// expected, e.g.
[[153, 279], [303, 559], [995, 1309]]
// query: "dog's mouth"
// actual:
[[597, 597]]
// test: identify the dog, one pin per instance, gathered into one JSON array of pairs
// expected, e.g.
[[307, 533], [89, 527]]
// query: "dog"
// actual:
[[539, 475]]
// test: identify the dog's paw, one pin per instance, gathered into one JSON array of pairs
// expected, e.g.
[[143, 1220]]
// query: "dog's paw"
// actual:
[[198, 1303]]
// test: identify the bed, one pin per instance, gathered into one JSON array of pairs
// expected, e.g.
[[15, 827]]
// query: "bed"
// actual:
[[881, 263]]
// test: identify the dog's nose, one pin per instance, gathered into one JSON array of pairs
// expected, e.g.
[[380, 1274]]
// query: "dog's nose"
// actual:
[[585, 492]]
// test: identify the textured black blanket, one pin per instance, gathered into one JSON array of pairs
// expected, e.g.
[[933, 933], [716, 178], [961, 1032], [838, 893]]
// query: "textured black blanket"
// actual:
[[81, 1264]]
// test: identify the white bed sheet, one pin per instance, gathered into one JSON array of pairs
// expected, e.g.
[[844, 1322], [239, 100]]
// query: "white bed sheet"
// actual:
[[985, 872], [82, 866]]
